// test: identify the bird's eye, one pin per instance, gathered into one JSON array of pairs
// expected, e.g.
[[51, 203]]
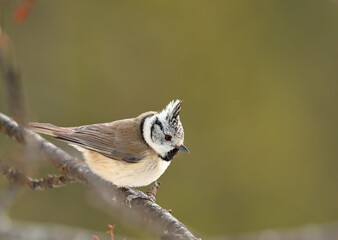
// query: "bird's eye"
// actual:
[[167, 137]]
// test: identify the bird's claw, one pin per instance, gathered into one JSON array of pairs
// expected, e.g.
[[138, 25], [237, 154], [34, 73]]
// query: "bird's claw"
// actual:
[[138, 194]]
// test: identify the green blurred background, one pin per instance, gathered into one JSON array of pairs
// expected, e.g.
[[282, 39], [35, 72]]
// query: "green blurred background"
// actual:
[[259, 80]]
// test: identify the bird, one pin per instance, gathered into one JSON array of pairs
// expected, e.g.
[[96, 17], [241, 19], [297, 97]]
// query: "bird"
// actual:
[[130, 152]]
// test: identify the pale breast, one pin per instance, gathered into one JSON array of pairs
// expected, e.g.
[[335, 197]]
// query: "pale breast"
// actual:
[[124, 174]]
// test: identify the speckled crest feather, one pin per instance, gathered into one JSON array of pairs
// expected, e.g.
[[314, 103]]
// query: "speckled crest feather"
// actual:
[[173, 110]]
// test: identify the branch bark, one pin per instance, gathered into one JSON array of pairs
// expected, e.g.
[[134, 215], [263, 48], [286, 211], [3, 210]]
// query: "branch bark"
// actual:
[[142, 211]]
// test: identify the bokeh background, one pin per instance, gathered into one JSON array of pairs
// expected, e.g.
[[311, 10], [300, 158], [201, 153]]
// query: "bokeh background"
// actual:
[[259, 80]]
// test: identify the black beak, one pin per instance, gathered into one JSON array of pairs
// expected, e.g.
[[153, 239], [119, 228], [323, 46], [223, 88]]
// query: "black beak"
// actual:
[[182, 148]]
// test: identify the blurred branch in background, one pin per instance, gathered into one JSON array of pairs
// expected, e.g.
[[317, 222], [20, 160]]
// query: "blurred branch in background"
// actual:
[[11, 77]]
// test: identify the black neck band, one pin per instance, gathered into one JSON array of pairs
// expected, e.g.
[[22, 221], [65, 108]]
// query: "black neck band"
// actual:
[[141, 127], [170, 155]]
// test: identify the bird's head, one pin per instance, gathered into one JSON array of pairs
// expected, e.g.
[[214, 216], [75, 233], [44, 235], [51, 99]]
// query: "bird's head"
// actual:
[[164, 132]]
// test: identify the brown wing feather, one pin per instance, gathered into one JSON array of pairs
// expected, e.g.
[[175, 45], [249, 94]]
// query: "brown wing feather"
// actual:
[[118, 140], [47, 128]]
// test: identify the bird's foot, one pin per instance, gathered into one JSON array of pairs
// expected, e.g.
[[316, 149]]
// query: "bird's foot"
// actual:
[[138, 194]]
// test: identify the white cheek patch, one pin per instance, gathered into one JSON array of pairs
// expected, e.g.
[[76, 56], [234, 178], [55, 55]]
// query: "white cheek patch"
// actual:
[[161, 149], [156, 133]]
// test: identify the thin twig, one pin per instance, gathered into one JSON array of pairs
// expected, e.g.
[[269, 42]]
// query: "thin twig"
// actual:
[[155, 218], [111, 231], [18, 177], [152, 190]]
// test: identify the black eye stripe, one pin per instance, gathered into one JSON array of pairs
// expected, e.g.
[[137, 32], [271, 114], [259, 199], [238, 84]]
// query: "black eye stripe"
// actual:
[[151, 131], [158, 123]]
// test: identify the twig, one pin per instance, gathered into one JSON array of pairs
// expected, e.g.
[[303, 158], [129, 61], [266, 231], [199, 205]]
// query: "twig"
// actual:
[[152, 190], [111, 231], [18, 177], [156, 219]]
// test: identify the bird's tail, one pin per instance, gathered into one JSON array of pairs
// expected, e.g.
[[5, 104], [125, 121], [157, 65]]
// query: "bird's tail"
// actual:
[[47, 128]]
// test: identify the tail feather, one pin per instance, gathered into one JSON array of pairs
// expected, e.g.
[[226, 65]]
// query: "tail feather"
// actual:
[[48, 129]]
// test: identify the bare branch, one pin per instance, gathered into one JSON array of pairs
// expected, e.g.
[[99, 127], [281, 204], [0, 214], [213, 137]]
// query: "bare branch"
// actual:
[[143, 211], [18, 177]]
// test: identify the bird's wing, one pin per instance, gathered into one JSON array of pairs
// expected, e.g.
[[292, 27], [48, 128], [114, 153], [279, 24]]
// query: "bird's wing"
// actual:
[[120, 140]]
